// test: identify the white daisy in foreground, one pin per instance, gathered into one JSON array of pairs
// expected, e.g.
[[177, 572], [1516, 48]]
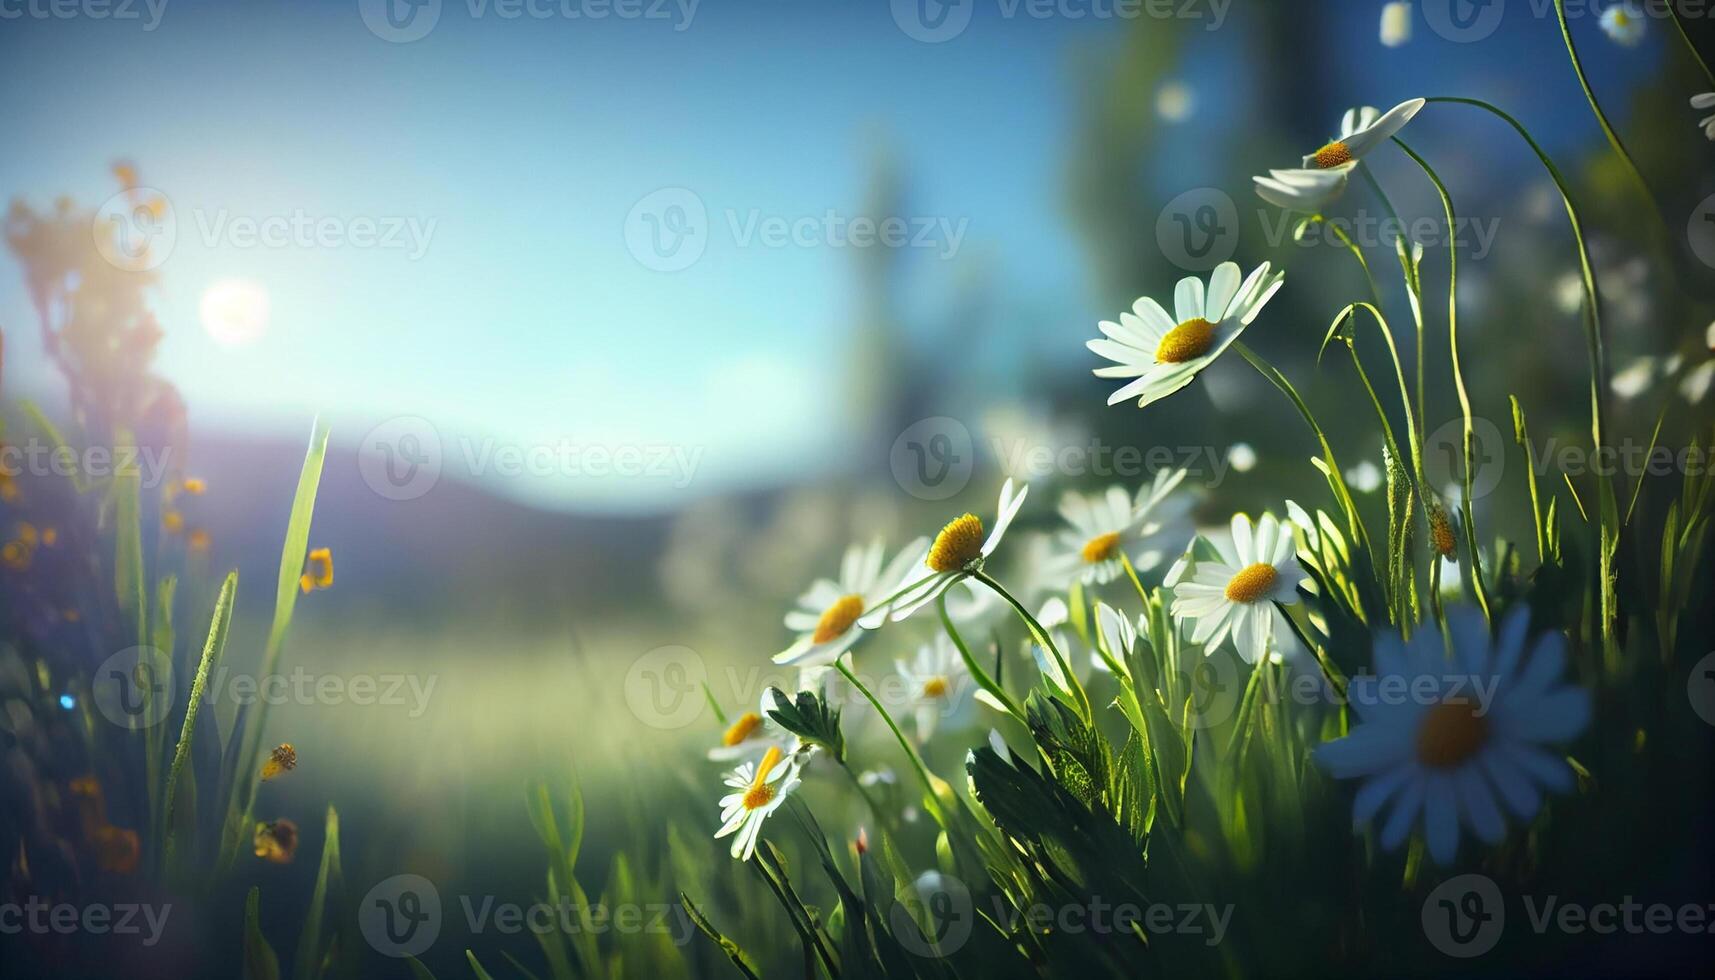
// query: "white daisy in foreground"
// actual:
[[1235, 596], [1472, 731], [1705, 101], [761, 787], [1310, 190], [936, 682], [1165, 355], [1362, 130], [958, 551], [832, 615], [1624, 24], [1105, 528], [750, 734]]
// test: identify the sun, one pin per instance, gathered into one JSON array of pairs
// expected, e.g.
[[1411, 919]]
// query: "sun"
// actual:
[[235, 312]]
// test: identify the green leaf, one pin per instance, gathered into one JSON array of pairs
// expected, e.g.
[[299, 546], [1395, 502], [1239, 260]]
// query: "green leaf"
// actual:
[[476, 967], [418, 970], [212, 650], [311, 947], [740, 959], [811, 718], [260, 963]]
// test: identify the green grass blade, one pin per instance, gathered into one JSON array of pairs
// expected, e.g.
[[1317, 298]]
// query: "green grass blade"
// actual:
[[260, 963], [212, 650], [310, 954], [244, 775], [740, 959]]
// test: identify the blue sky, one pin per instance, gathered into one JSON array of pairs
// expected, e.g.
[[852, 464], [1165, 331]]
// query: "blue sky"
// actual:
[[527, 142]]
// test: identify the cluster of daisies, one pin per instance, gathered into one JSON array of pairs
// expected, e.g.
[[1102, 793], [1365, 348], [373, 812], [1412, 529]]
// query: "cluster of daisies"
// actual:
[[1440, 761]]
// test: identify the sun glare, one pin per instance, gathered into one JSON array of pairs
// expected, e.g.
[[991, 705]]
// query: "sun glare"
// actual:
[[235, 312]]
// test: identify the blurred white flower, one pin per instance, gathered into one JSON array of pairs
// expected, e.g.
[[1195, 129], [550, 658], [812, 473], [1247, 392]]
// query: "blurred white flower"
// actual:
[[1623, 23], [1705, 100], [1174, 101], [1102, 529], [1365, 477], [1241, 457], [936, 683], [1695, 384], [1634, 379], [1396, 23], [1461, 755], [832, 615]]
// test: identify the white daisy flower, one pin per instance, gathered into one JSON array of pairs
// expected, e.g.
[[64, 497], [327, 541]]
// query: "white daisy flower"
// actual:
[[1365, 477], [751, 733], [1362, 130], [832, 615], [1705, 100], [1624, 24], [761, 788], [1478, 738], [959, 550], [1105, 528], [936, 683], [1634, 379], [1396, 23], [1235, 596], [1241, 457], [1310, 190], [1696, 382], [1165, 355]]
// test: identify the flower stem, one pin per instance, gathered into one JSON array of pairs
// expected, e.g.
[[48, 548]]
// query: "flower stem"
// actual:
[[1470, 433], [1598, 368], [1042, 637], [1697, 56], [1335, 477], [1601, 117], [981, 676], [923, 773]]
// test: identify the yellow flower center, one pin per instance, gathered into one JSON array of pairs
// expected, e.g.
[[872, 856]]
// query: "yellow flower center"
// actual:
[[1101, 547], [958, 545], [1252, 582], [838, 618], [1333, 155], [935, 687], [761, 791], [1190, 339], [1451, 732], [743, 728]]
